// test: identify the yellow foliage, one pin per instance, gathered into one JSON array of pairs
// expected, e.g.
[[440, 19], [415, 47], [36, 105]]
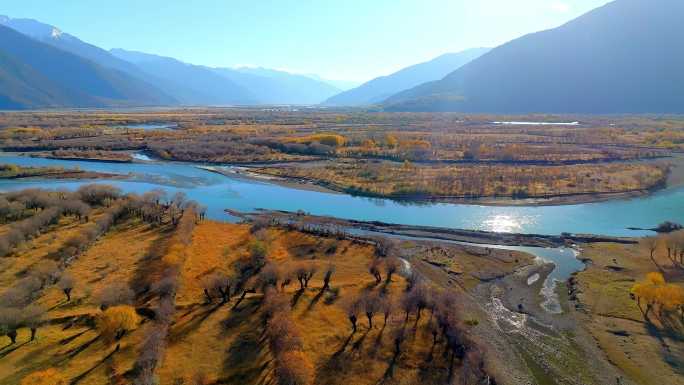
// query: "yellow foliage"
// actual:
[[117, 320], [670, 296], [655, 278], [656, 291], [391, 141], [44, 377], [333, 140]]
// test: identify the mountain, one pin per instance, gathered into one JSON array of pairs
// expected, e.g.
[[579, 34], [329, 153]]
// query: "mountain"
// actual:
[[343, 85], [279, 87], [189, 93], [191, 84], [49, 34], [38, 75], [377, 90], [624, 57]]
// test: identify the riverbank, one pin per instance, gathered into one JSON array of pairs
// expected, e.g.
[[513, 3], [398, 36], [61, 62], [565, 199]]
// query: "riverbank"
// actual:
[[429, 232], [110, 157], [16, 172], [277, 174]]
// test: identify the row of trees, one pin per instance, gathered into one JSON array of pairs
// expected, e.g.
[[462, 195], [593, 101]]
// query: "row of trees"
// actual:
[[165, 289], [292, 366], [48, 272]]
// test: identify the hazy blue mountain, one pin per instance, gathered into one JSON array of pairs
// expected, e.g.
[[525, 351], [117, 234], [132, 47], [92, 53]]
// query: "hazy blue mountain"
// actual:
[[52, 35], [35, 75], [378, 89], [624, 57], [342, 85], [191, 84], [279, 87]]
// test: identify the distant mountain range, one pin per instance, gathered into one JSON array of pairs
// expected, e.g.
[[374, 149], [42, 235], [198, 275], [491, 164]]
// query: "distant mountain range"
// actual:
[[147, 79], [36, 75], [624, 57], [379, 89]]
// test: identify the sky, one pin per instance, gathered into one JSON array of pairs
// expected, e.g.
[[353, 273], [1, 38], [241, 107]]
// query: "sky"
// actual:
[[336, 39]]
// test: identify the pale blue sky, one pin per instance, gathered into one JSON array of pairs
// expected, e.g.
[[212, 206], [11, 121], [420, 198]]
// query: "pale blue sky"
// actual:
[[337, 39]]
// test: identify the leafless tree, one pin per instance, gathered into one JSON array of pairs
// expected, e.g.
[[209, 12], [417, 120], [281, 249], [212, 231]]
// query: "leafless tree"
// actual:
[[329, 271], [117, 293], [66, 283], [374, 269]]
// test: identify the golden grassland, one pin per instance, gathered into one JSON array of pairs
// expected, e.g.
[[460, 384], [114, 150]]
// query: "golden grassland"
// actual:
[[217, 343], [649, 353]]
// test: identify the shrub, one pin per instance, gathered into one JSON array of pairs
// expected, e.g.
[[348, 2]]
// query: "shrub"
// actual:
[[116, 321]]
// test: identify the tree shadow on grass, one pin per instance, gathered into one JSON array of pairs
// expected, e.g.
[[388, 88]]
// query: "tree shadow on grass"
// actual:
[[339, 362], [297, 295], [356, 346], [68, 340], [242, 360], [11, 348], [83, 375], [672, 355], [181, 329], [239, 316], [315, 300], [74, 352]]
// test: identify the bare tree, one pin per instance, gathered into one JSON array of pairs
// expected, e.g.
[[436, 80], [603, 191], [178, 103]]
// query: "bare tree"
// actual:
[[32, 318], [352, 307], [371, 305], [218, 283], [10, 321], [66, 283], [652, 245], [304, 273], [374, 269], [392, 264], [46, 271], [117, 293], [329, 271]]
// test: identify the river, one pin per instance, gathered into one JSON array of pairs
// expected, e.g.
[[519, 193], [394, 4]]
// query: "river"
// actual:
[[219, 192]]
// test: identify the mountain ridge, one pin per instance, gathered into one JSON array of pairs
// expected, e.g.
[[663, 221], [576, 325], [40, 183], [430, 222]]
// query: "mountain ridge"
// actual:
[[618, 58], [378, 89]]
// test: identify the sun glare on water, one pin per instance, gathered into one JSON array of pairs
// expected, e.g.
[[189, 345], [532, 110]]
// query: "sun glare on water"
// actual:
[[504, 224]]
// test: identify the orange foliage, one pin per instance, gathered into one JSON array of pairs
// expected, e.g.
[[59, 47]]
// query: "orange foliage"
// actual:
[[117, 320]]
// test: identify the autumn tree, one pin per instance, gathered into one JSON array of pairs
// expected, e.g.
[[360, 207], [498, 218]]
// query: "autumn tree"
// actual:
[[116, 321]]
